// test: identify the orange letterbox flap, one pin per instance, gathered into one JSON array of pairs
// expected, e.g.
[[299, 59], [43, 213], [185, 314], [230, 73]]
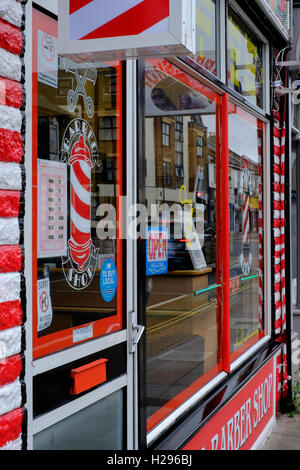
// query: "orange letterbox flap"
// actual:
[[88, 376]]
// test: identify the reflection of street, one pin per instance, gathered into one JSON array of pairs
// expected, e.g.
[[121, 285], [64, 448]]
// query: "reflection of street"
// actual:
[[244, 309], [182, 337], [181, 347]]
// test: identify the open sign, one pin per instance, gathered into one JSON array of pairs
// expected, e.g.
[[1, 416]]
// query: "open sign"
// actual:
[[157, 251]]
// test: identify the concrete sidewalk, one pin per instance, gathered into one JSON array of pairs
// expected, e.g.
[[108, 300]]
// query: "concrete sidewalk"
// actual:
[[285, 435]]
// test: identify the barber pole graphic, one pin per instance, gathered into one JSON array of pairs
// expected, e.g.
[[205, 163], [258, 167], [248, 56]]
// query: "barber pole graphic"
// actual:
[[245, 191], [80, 151], [92, 19], [80, 186]]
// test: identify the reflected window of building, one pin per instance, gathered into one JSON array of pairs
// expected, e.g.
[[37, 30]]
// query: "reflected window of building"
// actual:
[[165, 133], [199, 146]]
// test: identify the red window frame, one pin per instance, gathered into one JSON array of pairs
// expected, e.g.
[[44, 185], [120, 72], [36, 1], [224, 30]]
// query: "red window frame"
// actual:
[[225, 356], [62, 339]]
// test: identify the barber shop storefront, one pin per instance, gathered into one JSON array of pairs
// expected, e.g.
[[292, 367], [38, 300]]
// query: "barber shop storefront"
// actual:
[[152, 309]]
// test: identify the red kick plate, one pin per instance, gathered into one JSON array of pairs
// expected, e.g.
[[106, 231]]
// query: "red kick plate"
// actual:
[[88, 376]]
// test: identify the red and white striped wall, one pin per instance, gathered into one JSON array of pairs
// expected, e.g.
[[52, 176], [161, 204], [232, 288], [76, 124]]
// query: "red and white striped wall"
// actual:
[[279, 135], [12, 411]]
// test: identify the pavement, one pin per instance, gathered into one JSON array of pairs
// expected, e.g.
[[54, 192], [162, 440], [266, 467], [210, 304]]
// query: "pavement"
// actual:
[[285, 434]]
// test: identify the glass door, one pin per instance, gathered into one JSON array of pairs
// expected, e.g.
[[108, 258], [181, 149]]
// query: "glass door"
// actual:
[[83, 365], [184, 263]]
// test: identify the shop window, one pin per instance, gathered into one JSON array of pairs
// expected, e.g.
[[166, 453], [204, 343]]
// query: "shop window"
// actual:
[[246, 157], [205, 287], [184, 289], [206, 35], [245, 63], [76, 171]]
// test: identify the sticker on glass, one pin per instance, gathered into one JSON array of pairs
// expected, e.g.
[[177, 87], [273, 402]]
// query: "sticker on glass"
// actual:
[[45, 313], [108, 280]]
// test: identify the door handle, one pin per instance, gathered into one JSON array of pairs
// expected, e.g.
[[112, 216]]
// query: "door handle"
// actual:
[[135, 333]]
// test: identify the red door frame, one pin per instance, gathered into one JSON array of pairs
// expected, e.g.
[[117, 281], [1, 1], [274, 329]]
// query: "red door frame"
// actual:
[[225, 357], [62, 339]]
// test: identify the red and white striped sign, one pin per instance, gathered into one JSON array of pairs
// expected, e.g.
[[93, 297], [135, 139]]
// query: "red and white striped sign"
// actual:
[[93, 30], [92, 19]]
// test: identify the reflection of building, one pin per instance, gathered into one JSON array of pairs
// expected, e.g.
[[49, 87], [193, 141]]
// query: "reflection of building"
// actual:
[[181, 157]]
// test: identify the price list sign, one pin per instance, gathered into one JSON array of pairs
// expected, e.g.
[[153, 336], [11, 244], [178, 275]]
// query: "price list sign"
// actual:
[[52, 209]]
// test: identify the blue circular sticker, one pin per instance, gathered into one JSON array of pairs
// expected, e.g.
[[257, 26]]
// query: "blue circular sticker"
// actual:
[[108, 280]]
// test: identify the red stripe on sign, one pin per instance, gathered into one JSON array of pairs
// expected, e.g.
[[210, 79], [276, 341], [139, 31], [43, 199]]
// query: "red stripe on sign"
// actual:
[[10, 426], [81, 176], [10, 369], [10, 259], [11, 314], [79, 237], [77, 4], [84, 210], [11, 146], [134, 21]]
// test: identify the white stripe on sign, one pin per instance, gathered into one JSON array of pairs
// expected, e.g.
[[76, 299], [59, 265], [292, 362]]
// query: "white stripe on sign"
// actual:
[[96, 14], [160, 27]]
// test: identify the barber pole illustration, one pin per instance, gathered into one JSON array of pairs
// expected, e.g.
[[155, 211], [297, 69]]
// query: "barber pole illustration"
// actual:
[[80, 189], [80, 151], [245, 191]]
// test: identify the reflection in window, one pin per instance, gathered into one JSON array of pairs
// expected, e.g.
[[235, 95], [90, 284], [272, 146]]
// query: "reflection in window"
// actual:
[[183, 281], [245, 60], [246, 150], [206, 35], [165, 134]]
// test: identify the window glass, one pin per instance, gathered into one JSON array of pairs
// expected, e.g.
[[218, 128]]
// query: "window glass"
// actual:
[[246, 151], [184, 281], [206, 35], [77, 178], [244, 60], [97, 427]]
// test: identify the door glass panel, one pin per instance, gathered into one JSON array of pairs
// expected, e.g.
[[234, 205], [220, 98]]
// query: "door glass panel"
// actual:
[[184, 278], [246, 151], [77, 181], [97, 427]]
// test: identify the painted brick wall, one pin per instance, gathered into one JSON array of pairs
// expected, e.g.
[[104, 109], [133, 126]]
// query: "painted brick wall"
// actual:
[[12, 181]]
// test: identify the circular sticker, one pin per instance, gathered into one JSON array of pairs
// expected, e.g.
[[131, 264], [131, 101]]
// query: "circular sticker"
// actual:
[[108, 280]]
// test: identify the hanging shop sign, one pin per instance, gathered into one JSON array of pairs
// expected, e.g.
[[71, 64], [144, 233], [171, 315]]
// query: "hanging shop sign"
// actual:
[[244, 419], [92, 30], [279, 13]]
